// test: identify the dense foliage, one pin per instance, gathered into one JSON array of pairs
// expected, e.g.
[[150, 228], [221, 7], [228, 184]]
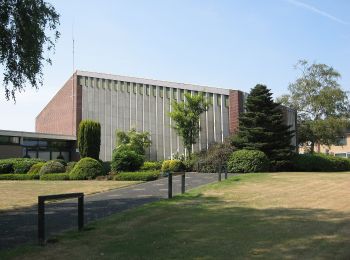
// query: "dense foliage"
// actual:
[[126, 159], [215, 157], [261, 127], [244, 161], [17, 165], [89, 139], [24, 38], [173, 166], [133, 140], [35, 169], [137, 176], [86, 169], [70, 166], [151, 166], [323, 107], [185, 116], [52, 167], [320, 163], [55, 177]]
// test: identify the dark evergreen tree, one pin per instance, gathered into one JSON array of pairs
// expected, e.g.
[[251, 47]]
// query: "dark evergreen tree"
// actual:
[[89, 139], [261, 127]]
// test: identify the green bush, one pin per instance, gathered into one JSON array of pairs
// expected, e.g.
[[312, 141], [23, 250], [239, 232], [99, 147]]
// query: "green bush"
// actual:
[[89, 139], [35, 169], [125, 159], [17, 165], [320, 163], [55, 177], [19, 177], [52, 167], [6, 167], [61, 161], [70, 166], [248, 161], [151, 166], [86, 169], [173, 166], [137, 176]]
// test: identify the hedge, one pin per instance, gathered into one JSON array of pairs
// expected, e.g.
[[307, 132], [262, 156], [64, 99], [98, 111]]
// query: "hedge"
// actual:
[[245, 161], [320, 163], [151, 166], [17, 165], [55, 177], [173, 166], [86, 169], [137, 176], [18, 176]]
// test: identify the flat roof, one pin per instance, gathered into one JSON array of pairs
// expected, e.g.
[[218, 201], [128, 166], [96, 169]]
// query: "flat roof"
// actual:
[[37, 135], [223, 91]]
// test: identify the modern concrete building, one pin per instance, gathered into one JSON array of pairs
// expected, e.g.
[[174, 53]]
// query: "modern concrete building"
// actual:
[[120, 102]]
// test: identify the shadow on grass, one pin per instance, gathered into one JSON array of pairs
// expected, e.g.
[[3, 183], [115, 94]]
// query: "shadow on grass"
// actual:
[[195, 226]]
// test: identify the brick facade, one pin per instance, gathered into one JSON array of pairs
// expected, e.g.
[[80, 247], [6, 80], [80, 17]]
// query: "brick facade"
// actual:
[[235, 108], [63, 113]]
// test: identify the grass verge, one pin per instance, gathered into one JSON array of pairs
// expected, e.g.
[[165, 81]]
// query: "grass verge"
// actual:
[[270, 216]]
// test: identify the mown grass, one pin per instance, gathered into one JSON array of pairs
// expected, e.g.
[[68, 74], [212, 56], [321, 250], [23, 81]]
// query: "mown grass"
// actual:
[[18, 194], [269, 216]]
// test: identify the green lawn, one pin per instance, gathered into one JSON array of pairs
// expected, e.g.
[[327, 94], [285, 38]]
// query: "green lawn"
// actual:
[[269, 216], [18, 194]]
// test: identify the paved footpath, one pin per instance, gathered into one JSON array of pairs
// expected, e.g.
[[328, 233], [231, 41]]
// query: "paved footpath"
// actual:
[[20, 226]]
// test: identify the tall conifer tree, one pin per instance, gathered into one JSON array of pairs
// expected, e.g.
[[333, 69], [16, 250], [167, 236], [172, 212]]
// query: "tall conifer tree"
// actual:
[[261, 127]]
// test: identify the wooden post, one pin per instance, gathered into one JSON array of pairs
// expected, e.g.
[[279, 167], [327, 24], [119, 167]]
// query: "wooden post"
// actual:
[[81, 212], [170, 185], [183, 177], [41, 220]]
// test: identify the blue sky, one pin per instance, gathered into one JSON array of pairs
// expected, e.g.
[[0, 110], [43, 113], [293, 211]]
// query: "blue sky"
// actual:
[[229, 44]]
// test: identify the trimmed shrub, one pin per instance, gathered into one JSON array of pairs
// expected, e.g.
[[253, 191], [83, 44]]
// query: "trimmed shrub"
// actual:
[[70, 166], [19, 177], [125, 159], [52, 167], [137, 176], [173, 166], [151, 166], [320, 163], [61, 161], [35, 169], [55, 177], [248, 161], [86, 169], [89, 139]]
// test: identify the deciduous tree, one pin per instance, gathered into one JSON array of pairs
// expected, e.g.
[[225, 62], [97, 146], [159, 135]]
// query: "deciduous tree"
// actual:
[[185, 116], [323, 107]]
